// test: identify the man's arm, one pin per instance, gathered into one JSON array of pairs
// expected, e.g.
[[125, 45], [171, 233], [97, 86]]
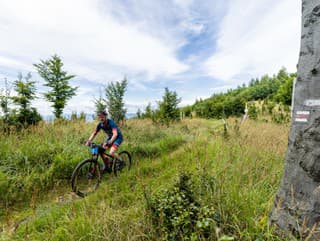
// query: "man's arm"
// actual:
[[114, 132], [92, 136], [114, 135], [113, 138]]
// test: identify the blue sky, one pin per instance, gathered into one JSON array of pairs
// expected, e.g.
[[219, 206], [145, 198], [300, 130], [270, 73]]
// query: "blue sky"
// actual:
[[194, 47]]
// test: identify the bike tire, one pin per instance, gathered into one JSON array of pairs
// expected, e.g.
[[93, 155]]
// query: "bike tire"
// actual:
[[86, 177], [118, 167]]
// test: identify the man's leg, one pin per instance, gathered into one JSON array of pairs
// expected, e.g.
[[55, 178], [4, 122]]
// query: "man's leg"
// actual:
[[114, 147], [120, 164], [113, 150], [105, 161]]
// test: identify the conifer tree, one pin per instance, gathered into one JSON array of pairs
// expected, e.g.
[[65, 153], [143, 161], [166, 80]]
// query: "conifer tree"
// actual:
[[100, 103], [114, 100], [58, 82], [168, 107], [26, 92]]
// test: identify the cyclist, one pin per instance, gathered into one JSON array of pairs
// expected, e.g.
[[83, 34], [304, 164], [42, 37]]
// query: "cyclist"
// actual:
[[113, 141]]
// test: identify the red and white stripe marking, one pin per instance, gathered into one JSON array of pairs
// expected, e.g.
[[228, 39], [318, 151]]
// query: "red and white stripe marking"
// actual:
[[302, 116]]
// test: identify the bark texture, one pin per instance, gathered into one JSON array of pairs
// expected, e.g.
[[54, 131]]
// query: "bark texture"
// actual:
[[297, 204]]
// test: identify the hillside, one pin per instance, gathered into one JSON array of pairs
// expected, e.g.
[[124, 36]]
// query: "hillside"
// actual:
[[230, 179], [272, 90]]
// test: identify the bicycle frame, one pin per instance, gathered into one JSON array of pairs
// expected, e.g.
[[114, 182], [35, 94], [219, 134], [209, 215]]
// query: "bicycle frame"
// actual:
[[94, 149]]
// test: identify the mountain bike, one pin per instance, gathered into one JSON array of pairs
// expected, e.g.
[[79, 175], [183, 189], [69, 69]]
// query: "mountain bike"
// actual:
[[86, 176]]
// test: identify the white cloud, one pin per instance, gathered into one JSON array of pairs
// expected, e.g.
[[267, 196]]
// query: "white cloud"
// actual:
[[42, 106], [184, 3], [137, 85], [256, 37], [78, 105], [7, 61], [102, 41], [84, 36], [189, 102]]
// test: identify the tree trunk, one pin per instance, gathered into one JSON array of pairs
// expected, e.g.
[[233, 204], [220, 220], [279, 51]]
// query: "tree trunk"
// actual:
[[297, 204]]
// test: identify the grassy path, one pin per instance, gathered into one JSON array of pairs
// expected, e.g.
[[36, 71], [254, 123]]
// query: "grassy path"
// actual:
[[245, 166]]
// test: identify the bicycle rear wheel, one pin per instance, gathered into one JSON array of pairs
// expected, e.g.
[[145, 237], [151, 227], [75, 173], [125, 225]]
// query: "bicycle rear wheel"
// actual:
[[124, 164], [86, 177]]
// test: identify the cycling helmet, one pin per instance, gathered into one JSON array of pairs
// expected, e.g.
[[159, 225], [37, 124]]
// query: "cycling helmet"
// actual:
[[102, 112]]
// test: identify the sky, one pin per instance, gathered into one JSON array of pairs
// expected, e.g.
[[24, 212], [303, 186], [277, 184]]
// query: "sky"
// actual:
[[194, 47]]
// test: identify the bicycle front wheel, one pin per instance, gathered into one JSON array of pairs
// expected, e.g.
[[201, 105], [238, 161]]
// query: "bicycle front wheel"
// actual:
[[86, 177]]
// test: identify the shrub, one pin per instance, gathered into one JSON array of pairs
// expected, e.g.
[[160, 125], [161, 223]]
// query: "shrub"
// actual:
[[252, 111], [178, 213]]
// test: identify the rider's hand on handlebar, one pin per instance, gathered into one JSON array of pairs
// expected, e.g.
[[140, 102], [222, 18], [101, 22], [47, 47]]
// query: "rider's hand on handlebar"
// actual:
[[106, 144], [87, 143]]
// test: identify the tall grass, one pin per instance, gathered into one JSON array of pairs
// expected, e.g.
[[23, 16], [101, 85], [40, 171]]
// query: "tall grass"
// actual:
[[237, 176]]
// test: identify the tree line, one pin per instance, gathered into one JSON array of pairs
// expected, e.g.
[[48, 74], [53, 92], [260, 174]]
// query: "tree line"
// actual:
[[272, 90], [275, 89], [59, 93]]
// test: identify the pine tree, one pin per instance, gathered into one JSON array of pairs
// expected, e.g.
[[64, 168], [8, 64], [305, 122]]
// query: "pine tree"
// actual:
[[114, 100], [148, 111], [100, 103], [168, 107], [139, 113], [26, 92], [58, 80]]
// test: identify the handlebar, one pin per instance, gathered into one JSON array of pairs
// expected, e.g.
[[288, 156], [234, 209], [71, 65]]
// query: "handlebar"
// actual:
[[94, 148], [93, 145]]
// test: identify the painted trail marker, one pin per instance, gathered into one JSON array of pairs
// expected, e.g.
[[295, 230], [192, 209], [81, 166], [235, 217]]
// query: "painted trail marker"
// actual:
[[302, 116]]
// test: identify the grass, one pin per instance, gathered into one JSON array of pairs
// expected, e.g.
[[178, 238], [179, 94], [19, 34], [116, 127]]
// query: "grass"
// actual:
[[237, 175]]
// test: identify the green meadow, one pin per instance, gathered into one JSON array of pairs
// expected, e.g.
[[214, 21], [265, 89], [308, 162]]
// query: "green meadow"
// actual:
[[194, 180]]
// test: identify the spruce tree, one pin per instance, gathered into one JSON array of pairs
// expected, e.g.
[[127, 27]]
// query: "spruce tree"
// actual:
[[148, 111], [168, 107], [114, 100], [100, 103], [58, 81], [26, 92]]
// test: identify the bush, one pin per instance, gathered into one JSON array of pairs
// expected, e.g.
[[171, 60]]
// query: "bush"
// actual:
[[178, 213], [252, 111]]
